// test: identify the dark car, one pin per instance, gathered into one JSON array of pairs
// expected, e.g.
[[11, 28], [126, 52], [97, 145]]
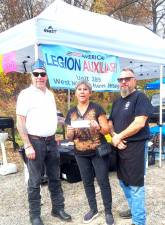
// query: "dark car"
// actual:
[[155, 101]]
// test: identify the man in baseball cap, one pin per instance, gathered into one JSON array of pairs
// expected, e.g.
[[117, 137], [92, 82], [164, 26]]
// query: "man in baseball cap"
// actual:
[[37, 122]]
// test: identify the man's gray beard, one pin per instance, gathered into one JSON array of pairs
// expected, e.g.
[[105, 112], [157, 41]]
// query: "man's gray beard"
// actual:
[[124, 93]]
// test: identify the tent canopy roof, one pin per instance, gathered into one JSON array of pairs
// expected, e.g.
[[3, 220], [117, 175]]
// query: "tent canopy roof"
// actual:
[[67, 25]]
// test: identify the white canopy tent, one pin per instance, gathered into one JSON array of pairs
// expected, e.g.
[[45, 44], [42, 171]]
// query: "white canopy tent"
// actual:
[[64, 24]]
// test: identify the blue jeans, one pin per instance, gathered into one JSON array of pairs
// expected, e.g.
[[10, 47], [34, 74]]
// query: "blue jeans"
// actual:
[[46, 155], [90, 166], [136, 200]]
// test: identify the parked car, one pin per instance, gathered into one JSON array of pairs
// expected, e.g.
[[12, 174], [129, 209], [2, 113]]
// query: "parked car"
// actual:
[[155, 101]]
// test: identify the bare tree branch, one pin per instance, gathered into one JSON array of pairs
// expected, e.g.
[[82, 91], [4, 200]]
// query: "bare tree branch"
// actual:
[[126, 4]]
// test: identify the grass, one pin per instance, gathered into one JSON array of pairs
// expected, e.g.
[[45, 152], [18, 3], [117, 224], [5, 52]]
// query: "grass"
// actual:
[[18, 139]]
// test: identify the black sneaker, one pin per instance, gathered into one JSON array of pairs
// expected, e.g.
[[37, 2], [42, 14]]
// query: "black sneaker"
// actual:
[[36, 221], [61, 214], [109, 219], [90, 216], [126, 214]]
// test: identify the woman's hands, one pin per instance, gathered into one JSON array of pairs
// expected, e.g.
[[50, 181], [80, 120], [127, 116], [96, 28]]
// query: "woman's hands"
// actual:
[[94, 125]]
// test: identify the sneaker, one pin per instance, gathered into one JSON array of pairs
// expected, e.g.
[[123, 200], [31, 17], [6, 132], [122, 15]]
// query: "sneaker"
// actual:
[[90, 216], [109, 219], [61, 214], [36, 221], [126, 214]]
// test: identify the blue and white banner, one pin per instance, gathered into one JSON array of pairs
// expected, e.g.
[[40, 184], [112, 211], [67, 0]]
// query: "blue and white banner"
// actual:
[[66, 66]]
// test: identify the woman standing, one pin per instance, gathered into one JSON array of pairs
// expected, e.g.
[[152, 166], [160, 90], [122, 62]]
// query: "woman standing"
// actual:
[[86, 126]]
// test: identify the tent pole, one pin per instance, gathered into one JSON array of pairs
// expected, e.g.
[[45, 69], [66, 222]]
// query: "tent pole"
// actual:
[[160, 118], [36, 52], [68, 99]]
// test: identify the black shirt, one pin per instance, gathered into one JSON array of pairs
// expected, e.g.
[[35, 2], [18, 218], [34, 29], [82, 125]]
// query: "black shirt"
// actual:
[[124, 111], [130, 161]]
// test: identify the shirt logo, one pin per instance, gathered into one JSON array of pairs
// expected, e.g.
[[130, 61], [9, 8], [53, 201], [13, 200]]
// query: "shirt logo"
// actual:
[[127, 105]]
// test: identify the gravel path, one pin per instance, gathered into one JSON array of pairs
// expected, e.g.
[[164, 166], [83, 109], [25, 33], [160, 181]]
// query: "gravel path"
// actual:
[[14, 207]]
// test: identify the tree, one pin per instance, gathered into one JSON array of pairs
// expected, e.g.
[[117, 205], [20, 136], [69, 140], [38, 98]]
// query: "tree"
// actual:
[[99, 6], [85, 4], [130, 11], [157, 9], [150, 13], [11, 84], [13, 12]]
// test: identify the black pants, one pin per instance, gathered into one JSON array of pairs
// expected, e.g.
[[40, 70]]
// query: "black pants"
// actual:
[[46, 154], [90, 166]]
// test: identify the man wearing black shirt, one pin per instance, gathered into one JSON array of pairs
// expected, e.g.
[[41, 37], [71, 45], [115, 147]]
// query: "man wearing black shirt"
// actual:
[[130, 130]]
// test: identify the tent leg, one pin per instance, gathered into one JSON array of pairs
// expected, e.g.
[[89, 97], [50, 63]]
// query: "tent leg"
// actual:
[[68, 99], [36, 51], [160, 118]]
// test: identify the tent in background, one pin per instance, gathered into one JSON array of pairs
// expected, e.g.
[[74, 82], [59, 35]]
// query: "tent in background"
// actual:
[[154, 85], [158, 85], [64, 24]]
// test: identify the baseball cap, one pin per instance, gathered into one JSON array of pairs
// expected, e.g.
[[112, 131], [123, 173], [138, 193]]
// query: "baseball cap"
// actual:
[[39, 64]]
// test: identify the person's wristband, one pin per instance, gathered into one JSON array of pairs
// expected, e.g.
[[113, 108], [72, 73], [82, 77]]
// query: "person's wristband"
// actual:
[[28, 147]]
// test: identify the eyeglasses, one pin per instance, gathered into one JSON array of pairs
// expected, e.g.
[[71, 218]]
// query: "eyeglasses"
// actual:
[[42, 74], [126, 79]]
